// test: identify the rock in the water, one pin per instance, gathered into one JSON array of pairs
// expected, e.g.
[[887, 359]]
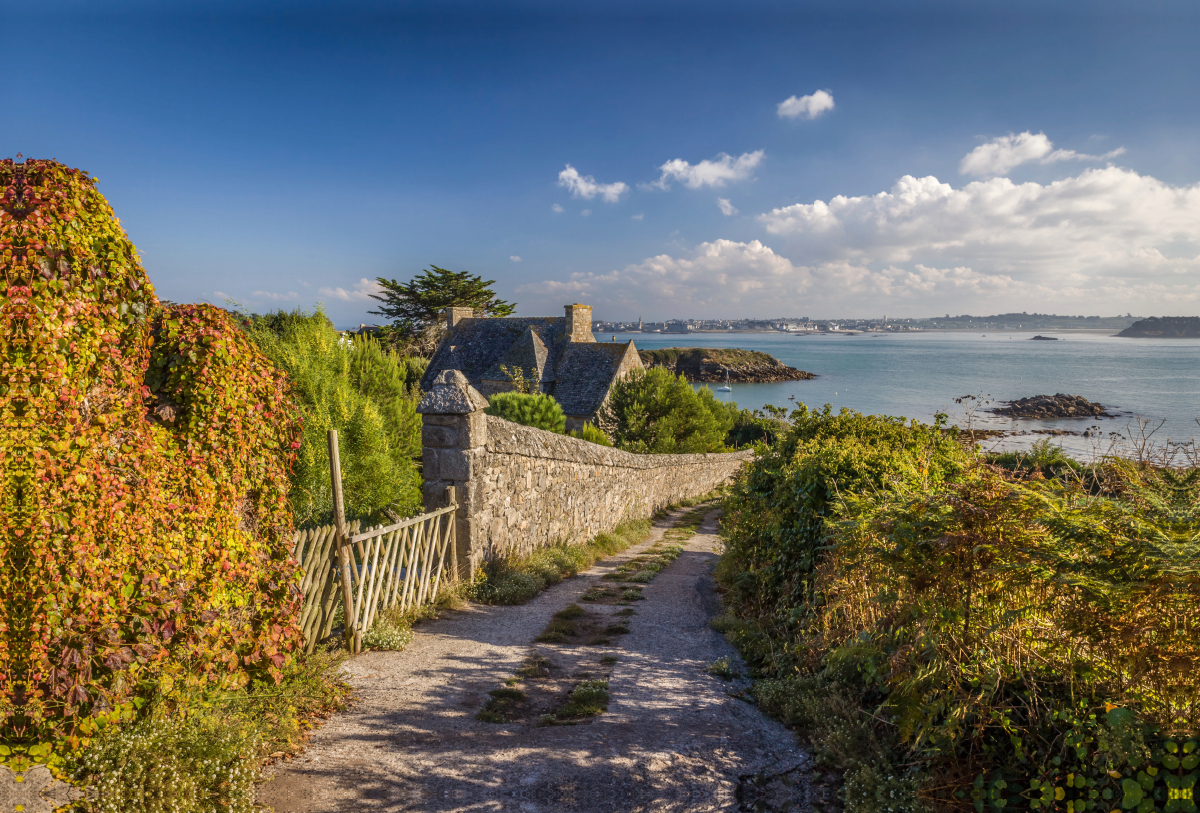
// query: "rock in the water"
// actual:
[[1044, 339], [1045, 407], [712, 364]]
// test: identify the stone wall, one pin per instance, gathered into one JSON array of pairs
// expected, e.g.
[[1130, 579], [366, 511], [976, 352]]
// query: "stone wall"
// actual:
[[520, 488]]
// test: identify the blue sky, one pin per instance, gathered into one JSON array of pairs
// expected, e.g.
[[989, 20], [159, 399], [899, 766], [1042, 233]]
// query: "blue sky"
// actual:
[[949, 156]]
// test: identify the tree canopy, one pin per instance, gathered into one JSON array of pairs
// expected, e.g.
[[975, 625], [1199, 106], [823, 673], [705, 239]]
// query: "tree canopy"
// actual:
[[415, 306]]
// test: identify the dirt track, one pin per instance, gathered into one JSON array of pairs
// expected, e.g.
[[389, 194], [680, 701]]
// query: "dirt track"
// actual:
[[673, 739]]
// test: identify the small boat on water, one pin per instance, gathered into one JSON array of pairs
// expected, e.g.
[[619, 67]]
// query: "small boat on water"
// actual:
[[726, 387]]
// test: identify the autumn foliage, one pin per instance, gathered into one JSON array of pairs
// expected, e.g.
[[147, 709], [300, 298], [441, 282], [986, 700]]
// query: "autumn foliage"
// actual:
[[144, 454]]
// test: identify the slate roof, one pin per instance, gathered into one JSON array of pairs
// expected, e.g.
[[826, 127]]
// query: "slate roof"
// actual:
[[585, 372], [479, 345], [531, 354], [577, 374]]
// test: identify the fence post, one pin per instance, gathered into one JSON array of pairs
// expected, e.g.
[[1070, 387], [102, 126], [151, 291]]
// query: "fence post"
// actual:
[[345, 553]]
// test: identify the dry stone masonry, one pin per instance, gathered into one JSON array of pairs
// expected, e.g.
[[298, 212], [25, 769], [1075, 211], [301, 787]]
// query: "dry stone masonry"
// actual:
[[520, 488]]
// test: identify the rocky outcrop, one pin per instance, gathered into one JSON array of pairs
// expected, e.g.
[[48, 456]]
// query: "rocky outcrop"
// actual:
[[1168, 327], [1045, 407], [710, 365], [1044, 339]]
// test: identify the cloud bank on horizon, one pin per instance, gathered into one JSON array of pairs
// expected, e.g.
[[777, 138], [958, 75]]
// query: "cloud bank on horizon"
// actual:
[[1106, 235]]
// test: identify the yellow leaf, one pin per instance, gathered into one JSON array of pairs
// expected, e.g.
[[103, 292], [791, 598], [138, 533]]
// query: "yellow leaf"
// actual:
[[1059, 794]]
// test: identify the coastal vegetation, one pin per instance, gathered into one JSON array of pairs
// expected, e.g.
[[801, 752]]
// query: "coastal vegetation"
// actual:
[[1165, 327], [713, 364], [655, 411], [956, 632], [369, 394]]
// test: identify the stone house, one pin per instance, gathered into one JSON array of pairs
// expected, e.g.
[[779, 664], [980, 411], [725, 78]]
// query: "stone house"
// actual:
[[559, 352]]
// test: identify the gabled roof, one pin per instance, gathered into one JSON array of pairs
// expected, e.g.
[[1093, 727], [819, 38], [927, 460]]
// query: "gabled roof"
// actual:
[[530, 354], [585, 372], [478, 345]]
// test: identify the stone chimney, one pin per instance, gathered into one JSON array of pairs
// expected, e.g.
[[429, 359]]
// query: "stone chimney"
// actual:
[[454, 315], [579, 323]]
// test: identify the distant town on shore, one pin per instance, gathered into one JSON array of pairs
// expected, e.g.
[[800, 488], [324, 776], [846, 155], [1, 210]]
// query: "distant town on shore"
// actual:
[[803, 324]]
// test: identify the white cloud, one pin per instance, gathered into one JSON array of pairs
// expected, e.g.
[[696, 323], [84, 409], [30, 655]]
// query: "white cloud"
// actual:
[[556, 208], [274, 297], [809, 106], [717, 172], [727, 208], [1106, 240], [638, 217], [1002, 154], [586, 187], [515, 258], [360, 292], [716, 277], [586, 213]]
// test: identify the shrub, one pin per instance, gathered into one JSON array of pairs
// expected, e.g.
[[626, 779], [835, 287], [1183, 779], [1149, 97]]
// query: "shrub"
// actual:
[[144, 448], [653, 411], [950, 633], [592, 434], [369, 395], [539, 411]]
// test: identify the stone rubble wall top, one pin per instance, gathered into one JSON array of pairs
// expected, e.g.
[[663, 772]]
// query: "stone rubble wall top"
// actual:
[[506, 437]]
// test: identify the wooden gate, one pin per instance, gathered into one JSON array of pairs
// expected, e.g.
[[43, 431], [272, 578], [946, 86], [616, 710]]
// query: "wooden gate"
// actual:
[[360, 573]]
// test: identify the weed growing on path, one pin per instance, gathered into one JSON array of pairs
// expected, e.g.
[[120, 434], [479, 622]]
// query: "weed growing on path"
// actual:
[[587, 699], [500, 704]]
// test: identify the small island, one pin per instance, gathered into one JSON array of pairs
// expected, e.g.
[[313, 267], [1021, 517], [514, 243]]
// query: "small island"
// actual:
[[1045, 407], [1040, 338], [1166, 327], [711, 365]]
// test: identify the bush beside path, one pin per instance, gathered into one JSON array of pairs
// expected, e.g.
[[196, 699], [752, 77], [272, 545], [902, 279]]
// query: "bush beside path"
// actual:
[[674, 736]]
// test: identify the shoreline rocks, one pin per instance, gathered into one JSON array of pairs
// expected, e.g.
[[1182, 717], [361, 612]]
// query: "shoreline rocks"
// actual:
[[708, 365], [1049, 407], [1166, 327]]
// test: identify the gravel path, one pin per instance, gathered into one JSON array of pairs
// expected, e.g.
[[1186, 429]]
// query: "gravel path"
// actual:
[[671, 740]]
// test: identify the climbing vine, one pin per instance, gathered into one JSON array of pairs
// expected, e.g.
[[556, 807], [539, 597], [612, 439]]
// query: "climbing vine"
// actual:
[[144, 453]]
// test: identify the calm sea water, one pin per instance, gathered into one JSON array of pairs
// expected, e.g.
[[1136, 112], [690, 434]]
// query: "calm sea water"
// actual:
[[920, 374]]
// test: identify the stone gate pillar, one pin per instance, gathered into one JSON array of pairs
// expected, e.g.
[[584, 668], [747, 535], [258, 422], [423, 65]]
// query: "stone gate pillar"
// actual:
[[454, 441]]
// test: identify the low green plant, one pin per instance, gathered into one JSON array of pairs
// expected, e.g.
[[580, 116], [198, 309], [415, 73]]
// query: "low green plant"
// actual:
[[722, 668], [587, 699], [173, 765], [390, 631], [592, 434], [500, 704], [517, 580], [198, 752], [539, 411]]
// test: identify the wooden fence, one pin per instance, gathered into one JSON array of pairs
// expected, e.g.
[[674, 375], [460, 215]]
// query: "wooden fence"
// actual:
[[394, 566]]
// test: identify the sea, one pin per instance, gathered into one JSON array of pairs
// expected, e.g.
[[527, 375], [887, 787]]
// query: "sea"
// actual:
[[1149, 385]]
